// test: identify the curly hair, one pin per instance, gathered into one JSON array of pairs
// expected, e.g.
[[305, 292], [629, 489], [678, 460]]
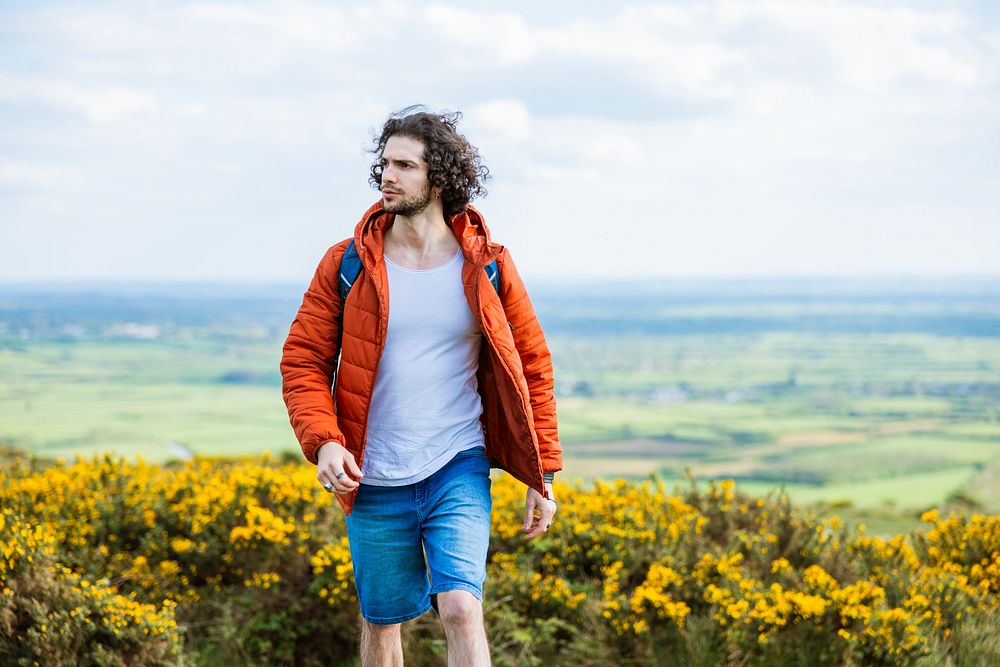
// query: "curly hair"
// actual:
[[453, 164]]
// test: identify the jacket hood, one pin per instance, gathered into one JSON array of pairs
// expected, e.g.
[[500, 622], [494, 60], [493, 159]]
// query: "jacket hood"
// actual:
[[469, 228]]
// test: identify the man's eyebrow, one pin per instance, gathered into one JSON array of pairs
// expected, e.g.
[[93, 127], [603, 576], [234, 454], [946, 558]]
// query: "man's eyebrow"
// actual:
[[399, 160]]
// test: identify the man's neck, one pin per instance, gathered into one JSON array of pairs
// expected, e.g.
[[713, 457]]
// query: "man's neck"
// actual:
[[420, 241]]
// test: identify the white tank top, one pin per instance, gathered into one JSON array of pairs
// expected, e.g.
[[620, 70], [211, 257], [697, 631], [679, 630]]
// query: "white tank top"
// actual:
[[425, 405]]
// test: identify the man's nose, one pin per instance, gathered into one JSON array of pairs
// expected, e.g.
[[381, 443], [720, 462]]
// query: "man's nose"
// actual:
[[388, 174]]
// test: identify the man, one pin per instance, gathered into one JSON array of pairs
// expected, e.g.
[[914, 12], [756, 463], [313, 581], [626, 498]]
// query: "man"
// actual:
[[441, 375]]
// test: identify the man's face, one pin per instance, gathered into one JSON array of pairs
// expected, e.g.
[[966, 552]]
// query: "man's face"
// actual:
[[406, 190]]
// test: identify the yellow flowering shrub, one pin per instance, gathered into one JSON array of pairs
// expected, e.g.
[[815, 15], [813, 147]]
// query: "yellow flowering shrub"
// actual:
[[206, 536], [658, 593], [333, 573], [967, 546], [251, 558], [50, 615]]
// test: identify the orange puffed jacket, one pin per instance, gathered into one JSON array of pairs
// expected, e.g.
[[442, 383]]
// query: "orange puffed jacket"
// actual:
[[515, 367]]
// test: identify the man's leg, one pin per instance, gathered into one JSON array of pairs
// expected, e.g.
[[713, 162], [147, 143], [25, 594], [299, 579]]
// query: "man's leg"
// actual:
[[462, 618], [390, 575], [381, 645], [456, 531]]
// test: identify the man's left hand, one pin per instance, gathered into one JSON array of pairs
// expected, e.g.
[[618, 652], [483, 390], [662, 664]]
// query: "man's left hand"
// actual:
[[536, 524]]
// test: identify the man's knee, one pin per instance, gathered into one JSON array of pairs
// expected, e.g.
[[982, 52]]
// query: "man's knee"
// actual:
[[460, 608], [378, 631]]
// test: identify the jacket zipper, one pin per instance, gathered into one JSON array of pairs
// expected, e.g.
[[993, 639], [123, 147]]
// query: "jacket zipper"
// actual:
[[383, 331]]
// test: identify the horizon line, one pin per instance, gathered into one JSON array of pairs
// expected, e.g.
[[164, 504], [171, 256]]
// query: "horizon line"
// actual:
[[602, 280]]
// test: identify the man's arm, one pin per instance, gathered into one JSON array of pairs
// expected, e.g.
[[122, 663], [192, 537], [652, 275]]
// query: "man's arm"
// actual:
[[536, 361], [309, 358]]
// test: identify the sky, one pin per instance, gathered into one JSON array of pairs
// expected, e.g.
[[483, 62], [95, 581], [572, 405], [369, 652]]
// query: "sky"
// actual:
[[226, 141]]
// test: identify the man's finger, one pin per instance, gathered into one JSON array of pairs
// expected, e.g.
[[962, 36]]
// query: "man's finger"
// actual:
[[345, 482], [529, 513], [546, 512], [352, 465], [538, 530], [344, 485]]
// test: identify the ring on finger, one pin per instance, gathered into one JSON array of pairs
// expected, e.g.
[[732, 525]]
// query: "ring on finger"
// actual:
[[339, 475], [328, 486]]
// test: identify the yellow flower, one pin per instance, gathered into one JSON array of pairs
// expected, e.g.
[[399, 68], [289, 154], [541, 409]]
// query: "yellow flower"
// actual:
[[780, 565]]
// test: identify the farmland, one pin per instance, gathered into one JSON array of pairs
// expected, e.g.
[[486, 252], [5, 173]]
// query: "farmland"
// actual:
[[874, 394]]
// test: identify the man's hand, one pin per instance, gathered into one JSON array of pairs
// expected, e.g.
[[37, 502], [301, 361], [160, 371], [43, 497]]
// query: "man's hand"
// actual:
[[335, 461], [535, 525]]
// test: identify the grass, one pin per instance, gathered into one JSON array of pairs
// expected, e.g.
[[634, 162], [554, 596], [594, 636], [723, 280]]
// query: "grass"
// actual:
[[834, 406], [132, 419], [912, 491]]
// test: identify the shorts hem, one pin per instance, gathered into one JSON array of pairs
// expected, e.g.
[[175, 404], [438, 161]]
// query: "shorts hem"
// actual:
[[392, 620], [457, 585]]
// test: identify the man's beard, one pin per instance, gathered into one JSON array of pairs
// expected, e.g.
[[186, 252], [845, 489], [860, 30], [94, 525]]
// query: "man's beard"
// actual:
[[409, 206]]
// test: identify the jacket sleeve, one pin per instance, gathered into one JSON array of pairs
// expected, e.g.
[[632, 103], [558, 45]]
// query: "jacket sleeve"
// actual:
[[309, 359], [535, 359]]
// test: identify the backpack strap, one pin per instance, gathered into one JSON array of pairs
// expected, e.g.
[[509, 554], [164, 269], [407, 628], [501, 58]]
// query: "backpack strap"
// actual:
[[493, 273], [350, 269]]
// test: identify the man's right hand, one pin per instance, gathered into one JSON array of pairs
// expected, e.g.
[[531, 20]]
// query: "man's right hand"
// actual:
[[333, 460]]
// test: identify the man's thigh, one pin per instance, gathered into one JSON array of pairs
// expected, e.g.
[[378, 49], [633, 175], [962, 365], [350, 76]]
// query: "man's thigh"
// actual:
[[390, 573], [456, 526]]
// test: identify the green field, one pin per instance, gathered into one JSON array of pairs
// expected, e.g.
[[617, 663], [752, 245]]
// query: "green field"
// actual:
[[876, 418]]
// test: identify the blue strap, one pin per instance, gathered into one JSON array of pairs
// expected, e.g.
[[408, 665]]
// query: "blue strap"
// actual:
[[350, 269], [493, 273]]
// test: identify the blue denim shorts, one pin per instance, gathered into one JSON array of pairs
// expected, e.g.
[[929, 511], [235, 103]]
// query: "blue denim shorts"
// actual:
[[411, 542]]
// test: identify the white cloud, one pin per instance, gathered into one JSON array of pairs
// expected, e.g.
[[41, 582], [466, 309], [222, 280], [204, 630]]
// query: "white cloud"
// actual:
[[497, 37], [778, 127], [22, 174], [664, 46], [872, 46], [729, 49], [99, 104], [508, 118]]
